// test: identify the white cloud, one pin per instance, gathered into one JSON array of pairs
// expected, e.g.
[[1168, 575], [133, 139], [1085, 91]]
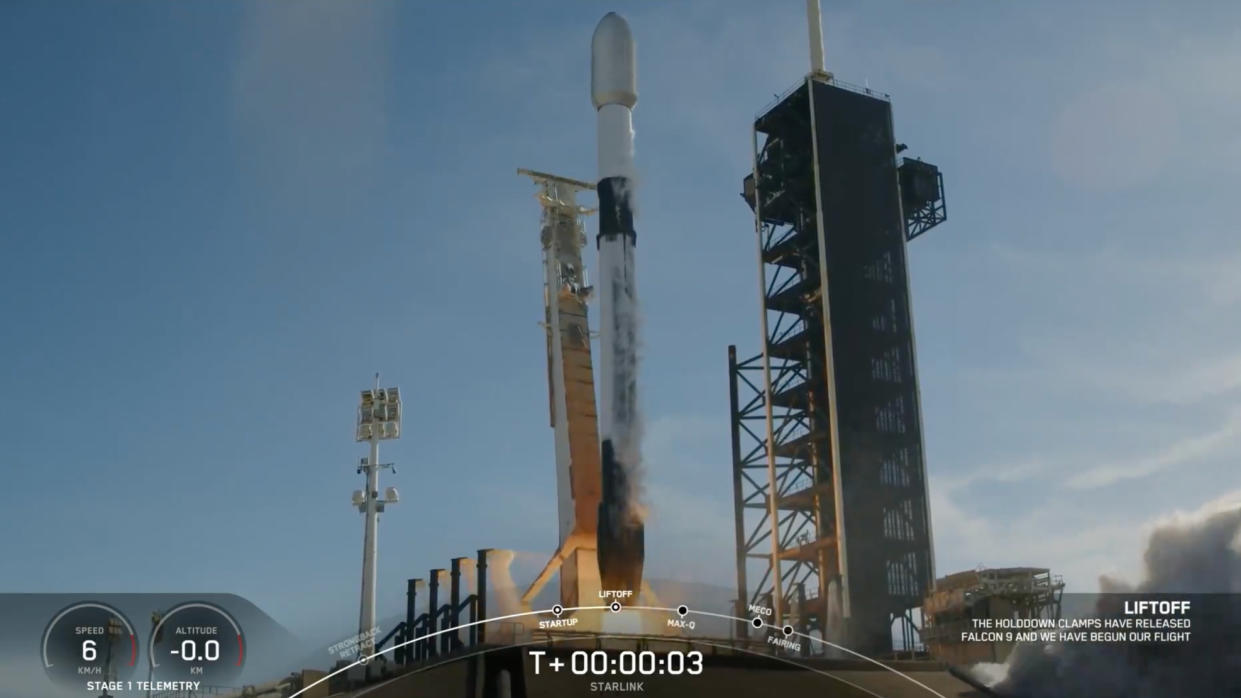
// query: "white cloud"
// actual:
[[995, 472], [1203, 272], [1039, 536], [1191, 449], [1139, 326], [1183, 382], [1184, 517], [1160, 118]]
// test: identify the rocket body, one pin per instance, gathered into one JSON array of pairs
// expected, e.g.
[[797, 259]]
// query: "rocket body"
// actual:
[[620, 541]]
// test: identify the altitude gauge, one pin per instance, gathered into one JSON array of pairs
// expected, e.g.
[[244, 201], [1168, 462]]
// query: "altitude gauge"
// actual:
[[89, 642], [196, 642]]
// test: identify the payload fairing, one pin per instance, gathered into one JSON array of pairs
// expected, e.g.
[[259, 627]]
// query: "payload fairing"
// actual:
[[614, 91]]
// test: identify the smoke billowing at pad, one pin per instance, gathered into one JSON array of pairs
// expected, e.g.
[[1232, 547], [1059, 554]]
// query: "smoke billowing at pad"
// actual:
[[1199, 554], [499, 564]]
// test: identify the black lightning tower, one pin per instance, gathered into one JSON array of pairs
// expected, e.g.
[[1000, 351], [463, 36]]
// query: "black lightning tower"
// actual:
[[833, 525]]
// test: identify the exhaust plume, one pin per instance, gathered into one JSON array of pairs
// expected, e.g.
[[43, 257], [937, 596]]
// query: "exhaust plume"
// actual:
[[1195, 554], [506, 594]]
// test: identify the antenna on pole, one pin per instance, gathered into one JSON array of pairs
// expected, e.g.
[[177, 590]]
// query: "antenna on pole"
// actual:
[[379, 419], [815, 23]]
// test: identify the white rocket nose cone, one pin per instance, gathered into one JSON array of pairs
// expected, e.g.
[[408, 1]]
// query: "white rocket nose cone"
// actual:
[[613, 64]]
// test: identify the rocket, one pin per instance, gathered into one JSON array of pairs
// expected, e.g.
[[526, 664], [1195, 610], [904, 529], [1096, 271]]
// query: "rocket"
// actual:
[[614, 91]]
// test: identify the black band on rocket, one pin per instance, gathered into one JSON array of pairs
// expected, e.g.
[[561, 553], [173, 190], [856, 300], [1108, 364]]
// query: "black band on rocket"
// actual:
[[615, 211]]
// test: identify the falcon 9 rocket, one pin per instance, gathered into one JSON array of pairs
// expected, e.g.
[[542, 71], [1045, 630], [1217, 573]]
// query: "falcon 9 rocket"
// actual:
[[614, 91]]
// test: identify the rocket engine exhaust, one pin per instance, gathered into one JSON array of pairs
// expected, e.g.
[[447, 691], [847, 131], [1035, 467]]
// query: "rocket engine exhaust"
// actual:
[[613, 87]]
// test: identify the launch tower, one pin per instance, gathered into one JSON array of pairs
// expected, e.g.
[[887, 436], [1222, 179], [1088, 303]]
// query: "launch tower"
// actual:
[[833, 526]]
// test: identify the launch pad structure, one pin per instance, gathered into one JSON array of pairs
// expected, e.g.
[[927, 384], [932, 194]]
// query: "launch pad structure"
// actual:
[[602, 536], [571, 393], [571, 389], [959, 600], [833, 529]]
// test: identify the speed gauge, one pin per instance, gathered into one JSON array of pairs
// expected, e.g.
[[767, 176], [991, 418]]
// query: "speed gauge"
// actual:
[[89, 641]]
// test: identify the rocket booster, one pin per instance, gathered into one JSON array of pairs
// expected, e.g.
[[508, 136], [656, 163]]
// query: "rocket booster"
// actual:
[[614, 91]]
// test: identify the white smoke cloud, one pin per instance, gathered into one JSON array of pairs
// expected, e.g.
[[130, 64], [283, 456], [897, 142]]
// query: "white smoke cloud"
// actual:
[[499, 564], [1197, 552]]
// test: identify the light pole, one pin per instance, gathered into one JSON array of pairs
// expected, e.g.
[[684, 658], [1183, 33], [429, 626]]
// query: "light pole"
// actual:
[[379, 418]]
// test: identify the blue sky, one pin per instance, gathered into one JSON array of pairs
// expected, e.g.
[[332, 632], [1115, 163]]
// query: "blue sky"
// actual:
[[217, 220]]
